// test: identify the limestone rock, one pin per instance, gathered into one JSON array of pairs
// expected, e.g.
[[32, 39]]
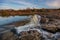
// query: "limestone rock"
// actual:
[[8, 36], [49, 27], [30, 35], [44, 20]]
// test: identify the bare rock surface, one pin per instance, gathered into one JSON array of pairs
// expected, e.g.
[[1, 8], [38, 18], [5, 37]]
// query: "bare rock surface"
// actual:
[[7, 36], [30, 35], [44, 20], [49, 27]]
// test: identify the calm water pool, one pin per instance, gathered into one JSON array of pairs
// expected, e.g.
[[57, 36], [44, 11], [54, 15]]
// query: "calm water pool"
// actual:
[[10, 19], [7, 20]]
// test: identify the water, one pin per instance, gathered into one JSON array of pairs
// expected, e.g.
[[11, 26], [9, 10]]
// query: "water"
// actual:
[[27, 27], [34, 22], [32, 26], [10, 19], [7, 20]]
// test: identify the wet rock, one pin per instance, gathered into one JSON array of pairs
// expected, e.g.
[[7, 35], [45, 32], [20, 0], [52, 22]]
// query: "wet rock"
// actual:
[[8, 36], [51, 19], [44, 20], [47, 35], [56, 36], [49, 27], [30, 35], [58, 26]]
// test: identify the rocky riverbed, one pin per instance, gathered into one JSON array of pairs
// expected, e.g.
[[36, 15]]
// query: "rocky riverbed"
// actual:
[[49, 30]]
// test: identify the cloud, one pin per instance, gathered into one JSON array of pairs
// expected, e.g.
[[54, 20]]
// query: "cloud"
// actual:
[[5, 6], [25, 3], [8, 4], [53, 4]]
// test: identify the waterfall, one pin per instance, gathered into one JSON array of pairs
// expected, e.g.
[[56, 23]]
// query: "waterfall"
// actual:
[[35, 25], [34, 22]]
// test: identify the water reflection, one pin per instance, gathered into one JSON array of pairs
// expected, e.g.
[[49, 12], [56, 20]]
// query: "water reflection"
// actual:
[[6, 20]]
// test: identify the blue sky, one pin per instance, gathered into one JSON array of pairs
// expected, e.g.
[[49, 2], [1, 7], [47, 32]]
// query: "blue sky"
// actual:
[[22, 4]]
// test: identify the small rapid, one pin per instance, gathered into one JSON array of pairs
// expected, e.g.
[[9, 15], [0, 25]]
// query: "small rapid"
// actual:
[[35, 25]]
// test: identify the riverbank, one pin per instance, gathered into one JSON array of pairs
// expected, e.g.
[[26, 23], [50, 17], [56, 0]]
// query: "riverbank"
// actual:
[[49, 30]]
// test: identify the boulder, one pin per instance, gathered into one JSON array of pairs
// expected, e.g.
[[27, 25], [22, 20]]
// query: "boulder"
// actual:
[[44, 20], [8, 36], [56, 36], [49, 27], [30, 35]]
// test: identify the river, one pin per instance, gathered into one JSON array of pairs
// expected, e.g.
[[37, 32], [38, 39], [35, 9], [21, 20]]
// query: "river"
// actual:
[[8, 20]]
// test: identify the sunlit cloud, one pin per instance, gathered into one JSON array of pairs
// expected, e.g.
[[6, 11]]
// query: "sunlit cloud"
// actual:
[[23, 4], [5, 6], [54, 4]]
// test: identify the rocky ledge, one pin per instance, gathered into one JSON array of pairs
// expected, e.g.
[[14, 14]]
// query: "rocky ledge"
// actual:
[[49, 30]]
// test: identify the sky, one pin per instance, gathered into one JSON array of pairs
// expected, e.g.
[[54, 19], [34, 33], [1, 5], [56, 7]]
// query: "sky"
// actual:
[[23, 4]]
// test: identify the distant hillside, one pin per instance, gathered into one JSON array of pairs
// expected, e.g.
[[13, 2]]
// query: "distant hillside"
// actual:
[[50, 12]]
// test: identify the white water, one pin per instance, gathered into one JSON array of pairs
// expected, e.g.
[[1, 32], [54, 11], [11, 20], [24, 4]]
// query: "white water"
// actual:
[[33, 23], [10, 19], [29, 26]]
